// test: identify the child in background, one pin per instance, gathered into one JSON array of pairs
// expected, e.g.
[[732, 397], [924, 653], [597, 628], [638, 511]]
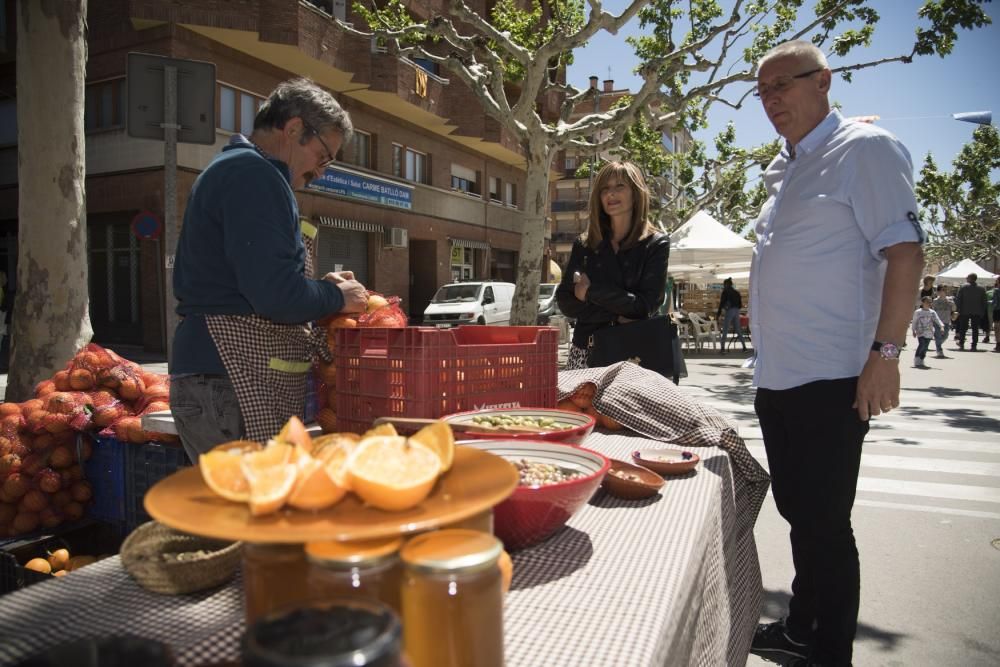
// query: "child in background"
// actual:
[[924, 321], [946, 312]]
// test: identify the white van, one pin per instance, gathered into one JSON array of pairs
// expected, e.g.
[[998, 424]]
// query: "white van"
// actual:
[[470, 303]]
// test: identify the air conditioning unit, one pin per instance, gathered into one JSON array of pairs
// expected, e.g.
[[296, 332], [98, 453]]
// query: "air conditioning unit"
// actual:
[[396, 237]]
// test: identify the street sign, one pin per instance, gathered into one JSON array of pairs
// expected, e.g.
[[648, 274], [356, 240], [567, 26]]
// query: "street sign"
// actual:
[[146, 225], [195, 98]]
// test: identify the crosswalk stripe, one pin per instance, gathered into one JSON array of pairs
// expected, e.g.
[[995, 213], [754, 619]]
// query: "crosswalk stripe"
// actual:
[[980, 494], [978, 514], [914, 463]]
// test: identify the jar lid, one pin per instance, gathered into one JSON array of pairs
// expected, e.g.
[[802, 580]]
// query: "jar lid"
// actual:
[[349, 554], [452, 550]]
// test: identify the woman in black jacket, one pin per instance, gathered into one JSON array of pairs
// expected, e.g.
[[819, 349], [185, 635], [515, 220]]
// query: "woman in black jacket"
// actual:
[[617, 272]]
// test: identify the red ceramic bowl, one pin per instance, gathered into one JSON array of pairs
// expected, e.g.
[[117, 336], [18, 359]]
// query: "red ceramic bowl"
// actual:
[[533, 513], [579, 424]]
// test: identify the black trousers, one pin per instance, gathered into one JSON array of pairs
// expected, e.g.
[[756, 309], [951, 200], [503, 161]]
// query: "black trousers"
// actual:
[[813, 440], [962, 326]]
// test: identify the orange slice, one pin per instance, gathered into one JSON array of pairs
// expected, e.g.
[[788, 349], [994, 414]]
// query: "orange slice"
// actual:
[[314, 488], [223, 473], [439, 438], [335, 454], [392, 474], [275, 454], [381, 429], [271, 487], [294, 433], [506, 570]]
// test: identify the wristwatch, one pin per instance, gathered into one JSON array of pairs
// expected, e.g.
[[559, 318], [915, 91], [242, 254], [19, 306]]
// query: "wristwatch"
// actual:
[[888, 351]]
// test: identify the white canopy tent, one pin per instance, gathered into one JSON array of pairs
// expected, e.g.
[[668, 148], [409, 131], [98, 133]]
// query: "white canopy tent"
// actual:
[[703, 248], [957, 272]]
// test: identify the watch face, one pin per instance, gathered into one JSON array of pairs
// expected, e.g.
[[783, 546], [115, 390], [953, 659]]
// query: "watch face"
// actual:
[[889, 351]]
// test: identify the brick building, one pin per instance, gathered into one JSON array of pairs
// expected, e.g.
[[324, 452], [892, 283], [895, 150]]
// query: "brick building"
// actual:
[[449, 178]]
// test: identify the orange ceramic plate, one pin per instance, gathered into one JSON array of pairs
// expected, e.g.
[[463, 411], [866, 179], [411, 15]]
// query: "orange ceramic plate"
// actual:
[[476, 482]]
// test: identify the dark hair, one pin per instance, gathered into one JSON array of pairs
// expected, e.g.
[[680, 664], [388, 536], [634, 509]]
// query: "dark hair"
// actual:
[[972, 277], [925, 299], [600, 222], [727, 281], [301, 98], [940, 288]]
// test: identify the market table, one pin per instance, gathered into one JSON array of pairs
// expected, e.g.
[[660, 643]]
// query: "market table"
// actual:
[[668, 580], [673, 579]]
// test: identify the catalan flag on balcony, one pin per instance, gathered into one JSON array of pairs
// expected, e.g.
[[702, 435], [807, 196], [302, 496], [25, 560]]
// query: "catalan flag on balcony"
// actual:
[[420, 85]]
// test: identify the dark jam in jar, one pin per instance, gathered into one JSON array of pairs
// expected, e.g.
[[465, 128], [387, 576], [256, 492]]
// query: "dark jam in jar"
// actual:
[[339, 633]]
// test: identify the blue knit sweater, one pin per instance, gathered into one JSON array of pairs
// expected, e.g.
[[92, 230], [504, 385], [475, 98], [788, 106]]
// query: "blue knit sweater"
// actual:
[[241, 252]]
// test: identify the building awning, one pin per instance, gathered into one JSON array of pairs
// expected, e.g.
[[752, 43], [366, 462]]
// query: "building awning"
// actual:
[[468, 243], [351, 225]]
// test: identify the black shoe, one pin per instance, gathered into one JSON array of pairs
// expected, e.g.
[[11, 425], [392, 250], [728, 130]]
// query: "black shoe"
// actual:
[[773, 638]]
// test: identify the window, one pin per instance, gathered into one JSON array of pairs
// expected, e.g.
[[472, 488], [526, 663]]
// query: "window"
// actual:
[[362, 153], [511, 198], [409, 164], [494, 188], [104, 105], [426, 65], [8, 122], [464, 179], [237, 109], [570, 163]]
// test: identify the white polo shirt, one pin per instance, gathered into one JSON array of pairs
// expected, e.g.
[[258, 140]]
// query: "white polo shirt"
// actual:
[[818, 266]]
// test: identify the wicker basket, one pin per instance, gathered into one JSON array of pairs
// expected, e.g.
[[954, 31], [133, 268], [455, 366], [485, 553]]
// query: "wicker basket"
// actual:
[[143, 555]]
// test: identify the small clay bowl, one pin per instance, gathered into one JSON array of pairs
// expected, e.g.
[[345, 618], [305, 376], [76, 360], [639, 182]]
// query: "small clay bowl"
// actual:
[[666, 461], [648, 482]]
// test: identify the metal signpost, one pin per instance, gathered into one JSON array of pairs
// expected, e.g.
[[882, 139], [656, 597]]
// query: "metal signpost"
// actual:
[[171, 100]]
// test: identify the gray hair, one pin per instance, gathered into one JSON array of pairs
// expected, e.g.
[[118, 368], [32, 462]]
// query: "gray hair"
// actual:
[[302, 98], [797, 48]]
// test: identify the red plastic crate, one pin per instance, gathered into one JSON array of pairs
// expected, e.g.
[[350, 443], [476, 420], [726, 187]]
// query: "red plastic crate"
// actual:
[[428, 372]]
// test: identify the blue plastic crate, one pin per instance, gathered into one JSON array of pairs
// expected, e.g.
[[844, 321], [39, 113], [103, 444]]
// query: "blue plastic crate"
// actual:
[[105, 470], [146, 465]]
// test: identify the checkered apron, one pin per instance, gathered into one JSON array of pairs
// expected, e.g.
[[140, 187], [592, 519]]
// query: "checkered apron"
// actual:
[[268, 363]]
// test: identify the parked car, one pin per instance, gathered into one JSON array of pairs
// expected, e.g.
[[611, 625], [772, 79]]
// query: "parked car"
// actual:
[[547, 305], [484, 302]]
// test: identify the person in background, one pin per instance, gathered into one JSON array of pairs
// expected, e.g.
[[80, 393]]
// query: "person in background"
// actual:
[[989, 319], [995, 308], [946, 312], [840, 212], [927, 289], [971, 304], [924, 325], [244, 345], [730, 302], [617, 270]]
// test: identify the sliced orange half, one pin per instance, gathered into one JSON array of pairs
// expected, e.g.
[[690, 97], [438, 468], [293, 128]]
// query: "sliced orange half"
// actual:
[[381, 429], [335, 455], [315, 489], [271, 487], [276, 453], [392, 474], [439, 438]]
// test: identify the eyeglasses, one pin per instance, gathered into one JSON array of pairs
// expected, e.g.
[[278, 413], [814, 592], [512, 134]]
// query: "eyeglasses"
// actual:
[[326, 149], [782, 83]]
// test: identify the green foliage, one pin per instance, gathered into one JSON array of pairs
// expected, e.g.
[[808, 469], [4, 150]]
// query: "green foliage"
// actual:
[[962, 207], [532, 28]]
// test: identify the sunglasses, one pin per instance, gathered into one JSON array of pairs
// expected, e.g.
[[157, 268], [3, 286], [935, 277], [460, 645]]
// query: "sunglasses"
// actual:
[[326, 149]]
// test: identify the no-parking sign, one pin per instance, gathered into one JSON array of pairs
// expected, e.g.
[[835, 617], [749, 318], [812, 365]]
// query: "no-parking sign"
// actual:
[[147, 225]]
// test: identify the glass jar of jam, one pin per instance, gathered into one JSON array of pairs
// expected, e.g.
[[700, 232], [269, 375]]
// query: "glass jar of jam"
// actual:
[[275, 576], [335, 633], [452, 600], [364, 568]]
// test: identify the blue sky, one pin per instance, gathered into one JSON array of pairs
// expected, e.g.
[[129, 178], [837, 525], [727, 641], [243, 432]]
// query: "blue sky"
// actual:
[[915, 101]]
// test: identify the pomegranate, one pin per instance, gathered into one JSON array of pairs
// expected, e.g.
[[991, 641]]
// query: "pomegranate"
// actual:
[[34, 501], [48, 480], [9, 463], [16, 485]]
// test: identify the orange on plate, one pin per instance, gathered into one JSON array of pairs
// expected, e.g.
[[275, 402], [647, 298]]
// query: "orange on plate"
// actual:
[[315, 489], [294, 433], [438, 437], [334, 453], [274, 454], [222, 469], [270, 488], [392, 474]]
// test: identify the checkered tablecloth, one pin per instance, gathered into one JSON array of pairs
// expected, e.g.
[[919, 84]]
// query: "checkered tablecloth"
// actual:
[[671, 580]]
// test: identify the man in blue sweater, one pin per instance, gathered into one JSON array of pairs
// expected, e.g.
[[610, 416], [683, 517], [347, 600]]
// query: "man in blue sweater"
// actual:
[[242, 349]]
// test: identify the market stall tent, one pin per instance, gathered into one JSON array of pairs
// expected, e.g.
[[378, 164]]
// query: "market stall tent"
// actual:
[[956, 273], [703, 248]]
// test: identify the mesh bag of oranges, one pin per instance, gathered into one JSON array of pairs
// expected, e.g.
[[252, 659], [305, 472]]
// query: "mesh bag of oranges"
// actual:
[[294, 470]]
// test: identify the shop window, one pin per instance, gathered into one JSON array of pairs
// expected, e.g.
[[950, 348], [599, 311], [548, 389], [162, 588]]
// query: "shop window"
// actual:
[[104, 105]]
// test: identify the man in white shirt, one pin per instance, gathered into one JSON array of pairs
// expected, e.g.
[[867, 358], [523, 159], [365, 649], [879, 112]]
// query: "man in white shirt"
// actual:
[[833, 280]]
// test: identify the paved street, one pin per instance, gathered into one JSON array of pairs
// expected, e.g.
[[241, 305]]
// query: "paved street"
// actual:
[[927, 517]]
